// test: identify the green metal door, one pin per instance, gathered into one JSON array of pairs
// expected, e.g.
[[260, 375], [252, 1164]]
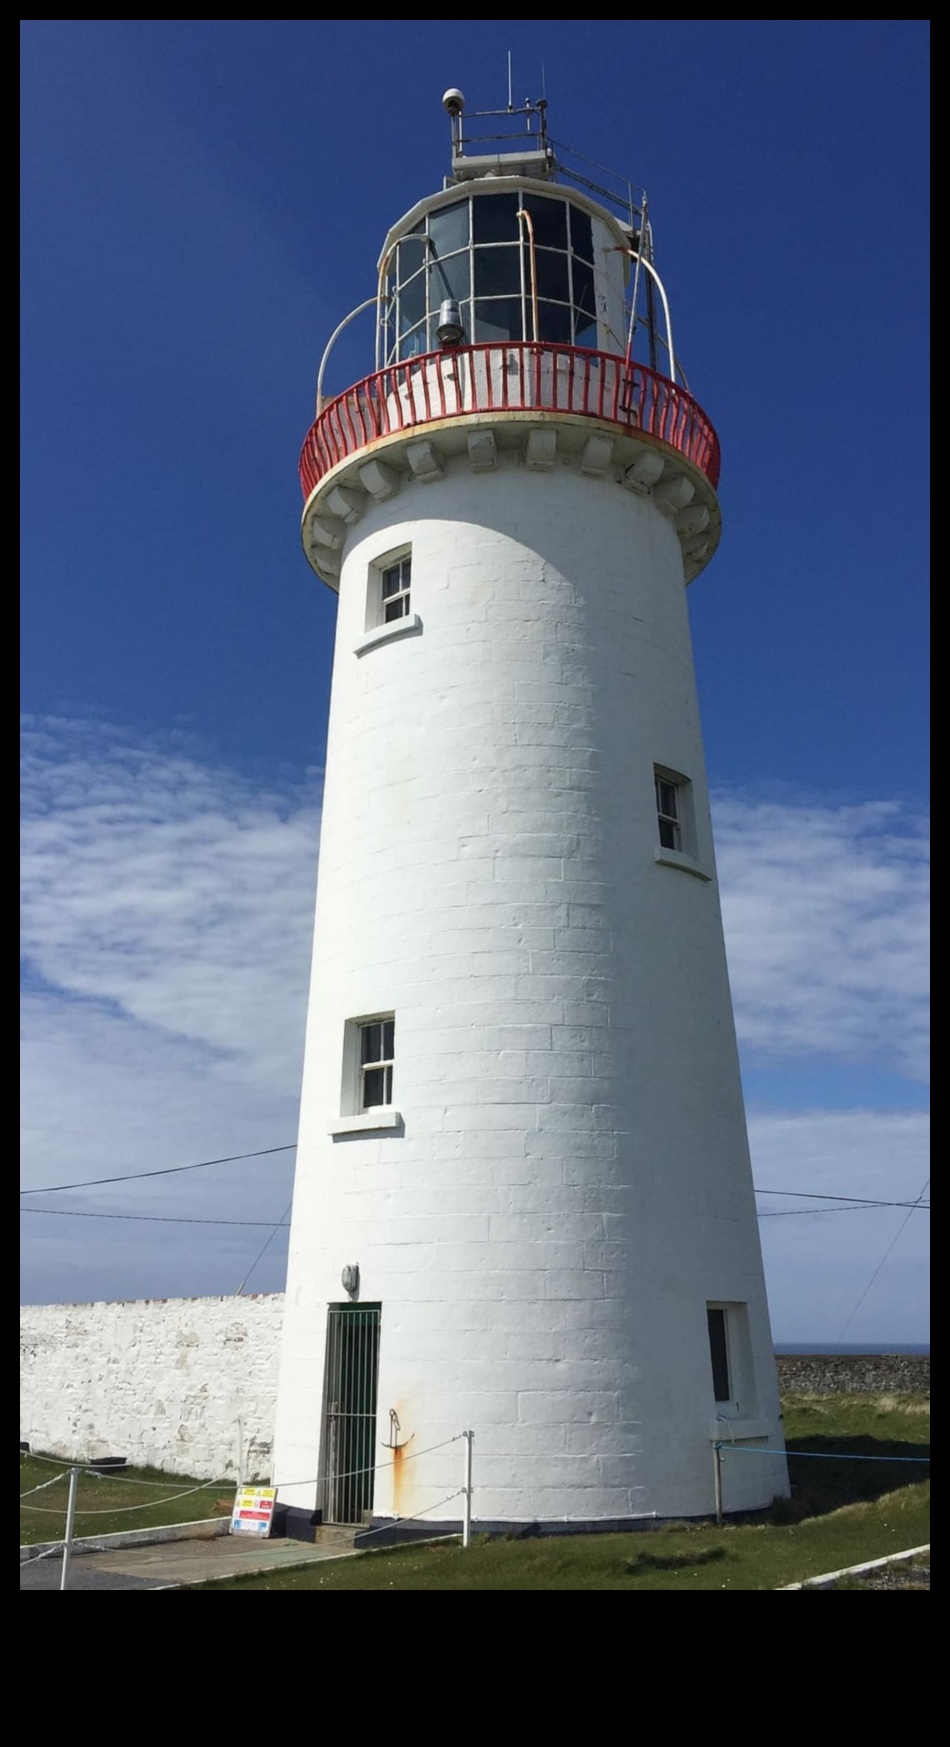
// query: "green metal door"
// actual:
[[350, 1416]]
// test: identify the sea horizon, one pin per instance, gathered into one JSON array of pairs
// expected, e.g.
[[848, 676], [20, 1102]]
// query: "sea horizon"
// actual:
[[792, 1349]]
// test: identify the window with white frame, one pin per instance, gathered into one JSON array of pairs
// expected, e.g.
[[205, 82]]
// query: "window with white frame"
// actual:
[[394, 582], [669, 811], [730, 1359], [377, 1039], [388, 593]]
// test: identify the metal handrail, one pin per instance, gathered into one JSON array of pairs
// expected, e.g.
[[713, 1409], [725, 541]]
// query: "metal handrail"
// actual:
[[511, 376]]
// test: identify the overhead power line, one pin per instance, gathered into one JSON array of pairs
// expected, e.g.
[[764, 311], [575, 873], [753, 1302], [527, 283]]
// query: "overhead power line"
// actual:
[[168, 1171], [860, 1200], [150, 1218]]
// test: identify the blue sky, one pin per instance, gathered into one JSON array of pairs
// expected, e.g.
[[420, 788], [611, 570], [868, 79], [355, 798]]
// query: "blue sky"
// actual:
[[202, 203]]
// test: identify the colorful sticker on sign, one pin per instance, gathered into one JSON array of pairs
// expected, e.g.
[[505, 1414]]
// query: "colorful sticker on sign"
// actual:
[[253, 1510]]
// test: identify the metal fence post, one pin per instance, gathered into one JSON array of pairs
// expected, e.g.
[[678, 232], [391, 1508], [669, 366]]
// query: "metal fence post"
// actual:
[[467, 1500], [70, 1516], [717, 1477]]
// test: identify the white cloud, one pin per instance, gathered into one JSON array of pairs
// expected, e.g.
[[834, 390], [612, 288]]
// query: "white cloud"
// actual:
[[178, 893], [167, 913], [825, 910]]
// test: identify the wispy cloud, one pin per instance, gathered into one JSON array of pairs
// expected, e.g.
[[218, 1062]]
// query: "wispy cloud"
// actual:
[[171, 891], [167, 913], [826, 916]]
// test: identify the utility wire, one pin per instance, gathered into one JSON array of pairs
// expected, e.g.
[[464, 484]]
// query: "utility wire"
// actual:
[[883, 1259], [168, 1171], [802, 1212], [281, 1221], [283, 1224], [267, 1152], [149, 1218], [861, 1200]]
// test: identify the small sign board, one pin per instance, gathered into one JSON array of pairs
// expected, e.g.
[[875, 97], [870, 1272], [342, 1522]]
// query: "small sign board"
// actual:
[[253, 1510]]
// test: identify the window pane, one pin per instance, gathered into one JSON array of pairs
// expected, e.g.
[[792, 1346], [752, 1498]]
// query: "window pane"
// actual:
[[666, 798], [719, 1354], [413, 345], [669, 834], [586, 333], [396, 577], [374, 1087], [411, 253], [389, 1037], [551, 270], [497, 272], [495, 218], [582, 240], [583, 293], [549, 218], [371, 1037], [397, 609], [412, 302], [448, 229], [499, 318], [449, 278], [554, 323]]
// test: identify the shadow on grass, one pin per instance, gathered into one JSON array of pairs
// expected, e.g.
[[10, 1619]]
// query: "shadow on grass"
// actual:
[[673, 1561], [838, 1479]]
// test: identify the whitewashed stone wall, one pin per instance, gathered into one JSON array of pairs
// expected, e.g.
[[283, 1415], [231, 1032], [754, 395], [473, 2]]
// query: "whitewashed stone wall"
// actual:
[[180, 1384]]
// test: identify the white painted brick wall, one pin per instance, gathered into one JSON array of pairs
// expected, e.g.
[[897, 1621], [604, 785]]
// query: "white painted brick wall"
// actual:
[[573, 1161], [163, 1382]]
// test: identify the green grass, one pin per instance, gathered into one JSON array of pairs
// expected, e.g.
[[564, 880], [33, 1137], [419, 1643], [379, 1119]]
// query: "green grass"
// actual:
[[841, 1512], [103, 1502]]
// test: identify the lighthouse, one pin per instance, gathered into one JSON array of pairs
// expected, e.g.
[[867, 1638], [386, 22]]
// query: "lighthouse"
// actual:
[[523, 1204]]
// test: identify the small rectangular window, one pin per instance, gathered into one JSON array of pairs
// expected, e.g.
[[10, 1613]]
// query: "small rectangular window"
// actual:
[[719, 1352], [394, 591], [669, 813], [730, 1360], [377, 1057]]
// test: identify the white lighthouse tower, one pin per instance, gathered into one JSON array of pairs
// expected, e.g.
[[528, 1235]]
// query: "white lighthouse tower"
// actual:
[[523, 1202]]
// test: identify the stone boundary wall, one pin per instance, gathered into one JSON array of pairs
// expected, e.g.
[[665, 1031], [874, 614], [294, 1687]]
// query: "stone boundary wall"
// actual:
[[853, 1373], [187, 1385]]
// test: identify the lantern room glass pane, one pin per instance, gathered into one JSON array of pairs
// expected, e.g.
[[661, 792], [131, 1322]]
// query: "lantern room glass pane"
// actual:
[[497, 272], [549, 219], [551, 270], [582, 239], [412, 302], [495, 218], [583, 277], [449, 278], [554, 323], [448, 228], [499, 318]]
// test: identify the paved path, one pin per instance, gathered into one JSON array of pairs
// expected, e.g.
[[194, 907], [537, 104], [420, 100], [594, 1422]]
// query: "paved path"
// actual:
[[181, 1562]]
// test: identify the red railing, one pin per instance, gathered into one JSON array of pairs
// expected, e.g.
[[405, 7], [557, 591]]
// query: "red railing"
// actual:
[[508, 378]]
